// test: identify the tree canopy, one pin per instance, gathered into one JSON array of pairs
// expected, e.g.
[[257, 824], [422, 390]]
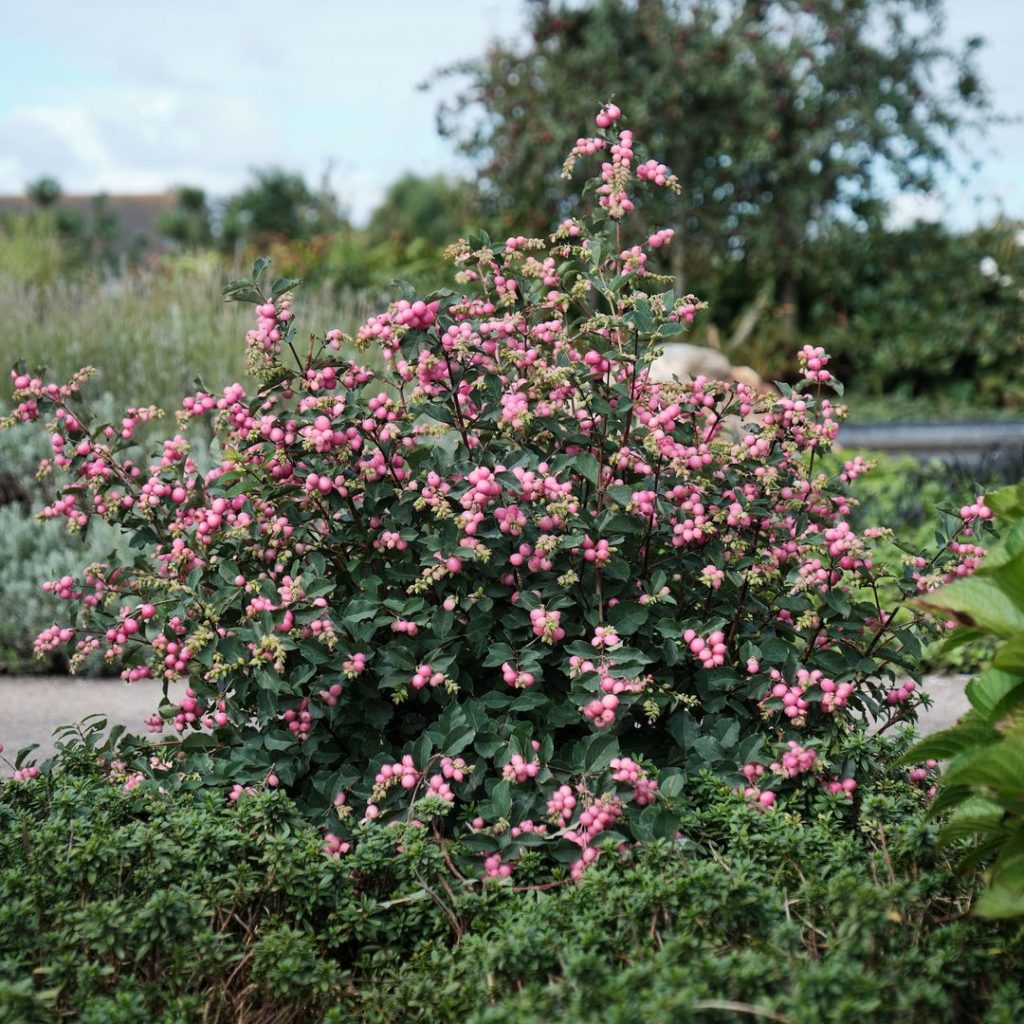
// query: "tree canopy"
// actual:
[[777, 116]]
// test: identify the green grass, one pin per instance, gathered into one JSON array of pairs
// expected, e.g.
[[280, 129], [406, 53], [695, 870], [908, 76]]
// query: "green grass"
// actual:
[[150, 333]]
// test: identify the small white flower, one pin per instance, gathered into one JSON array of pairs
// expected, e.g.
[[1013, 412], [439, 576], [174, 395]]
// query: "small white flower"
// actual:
[[988, 266]]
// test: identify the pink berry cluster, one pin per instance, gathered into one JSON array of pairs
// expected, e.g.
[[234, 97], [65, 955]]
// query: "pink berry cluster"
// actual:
[[813, 360], [518, 678], [843, 788], [795, 761], [519, 769], [710, 651], [924, 775], [510, 533], [598, 816], [335, 847], [901, 693], [625, 769], [403, 771]]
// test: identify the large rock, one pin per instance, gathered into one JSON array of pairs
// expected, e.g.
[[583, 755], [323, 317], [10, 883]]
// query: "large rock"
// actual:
[[683, 361], [678, 359]]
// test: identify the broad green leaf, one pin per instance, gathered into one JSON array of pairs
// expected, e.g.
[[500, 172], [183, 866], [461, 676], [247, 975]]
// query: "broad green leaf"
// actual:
[[601, 748], [1008, 502], [284, 284], [999, 903], [671, 783], [259, 265], [986, 691], [588, 467], [628, 616], [978, 601], [999, 767], [458, 739], [976, 816], [1010, 657], [972, 731]]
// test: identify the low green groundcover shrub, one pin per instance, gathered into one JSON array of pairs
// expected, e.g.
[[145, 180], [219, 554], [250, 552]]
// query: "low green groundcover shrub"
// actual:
[[121, 904]]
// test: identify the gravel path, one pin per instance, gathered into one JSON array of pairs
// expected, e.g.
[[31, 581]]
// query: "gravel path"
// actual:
[[32, 707]]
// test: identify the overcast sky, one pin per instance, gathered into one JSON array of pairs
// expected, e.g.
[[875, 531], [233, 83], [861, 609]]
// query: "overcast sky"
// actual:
[[141, 95]]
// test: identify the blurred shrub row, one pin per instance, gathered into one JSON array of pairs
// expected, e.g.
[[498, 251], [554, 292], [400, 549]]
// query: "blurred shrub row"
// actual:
[[926, 321]]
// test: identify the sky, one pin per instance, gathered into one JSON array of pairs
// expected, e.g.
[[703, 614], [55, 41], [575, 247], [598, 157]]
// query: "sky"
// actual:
[[132, 96]]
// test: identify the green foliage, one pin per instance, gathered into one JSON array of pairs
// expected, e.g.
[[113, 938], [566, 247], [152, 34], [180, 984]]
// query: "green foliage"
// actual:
[[509, 547], [921, 312], [983, 785], [31, 552], [150, 333], [917, 500], [31, 250], [280, 204], [43, 191], [434, 210], [775, 115], [786, 124], [117, 907], [189, 224]]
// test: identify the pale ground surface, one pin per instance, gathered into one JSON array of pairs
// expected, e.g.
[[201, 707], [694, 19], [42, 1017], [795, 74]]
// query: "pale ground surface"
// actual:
[[31, 708]]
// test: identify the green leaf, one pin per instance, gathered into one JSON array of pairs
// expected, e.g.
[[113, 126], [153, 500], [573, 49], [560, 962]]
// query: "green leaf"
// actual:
[[1008, 502], [458, 739], [421, 751], [501, 799], [987, 691], [998, 767], [671, 783], [259, 265], [628, 616], [1010, 657], [643, 316], [671, 329], [656, 822], [241, 291], [839, 602], [284, 284], [988, 602], [683, 728], [278, 742], [976, 816], [997, 903], [972, 731], [775, 651], [529, 701], [601, 748], [588, 467]]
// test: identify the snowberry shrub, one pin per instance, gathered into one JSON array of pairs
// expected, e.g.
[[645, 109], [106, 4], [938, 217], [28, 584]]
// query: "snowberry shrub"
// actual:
[[510, 585]]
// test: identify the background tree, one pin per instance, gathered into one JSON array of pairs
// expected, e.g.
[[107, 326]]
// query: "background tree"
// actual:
[[278, 204], [189, 224], [44, 191], [779, 117], [435, 209]]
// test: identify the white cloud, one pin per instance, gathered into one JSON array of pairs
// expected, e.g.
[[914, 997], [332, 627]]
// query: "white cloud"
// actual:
[[139, 95], [122, 143], [201, 93]]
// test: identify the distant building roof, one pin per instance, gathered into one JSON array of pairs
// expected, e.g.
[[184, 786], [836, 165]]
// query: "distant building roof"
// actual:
[[136, 216]]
